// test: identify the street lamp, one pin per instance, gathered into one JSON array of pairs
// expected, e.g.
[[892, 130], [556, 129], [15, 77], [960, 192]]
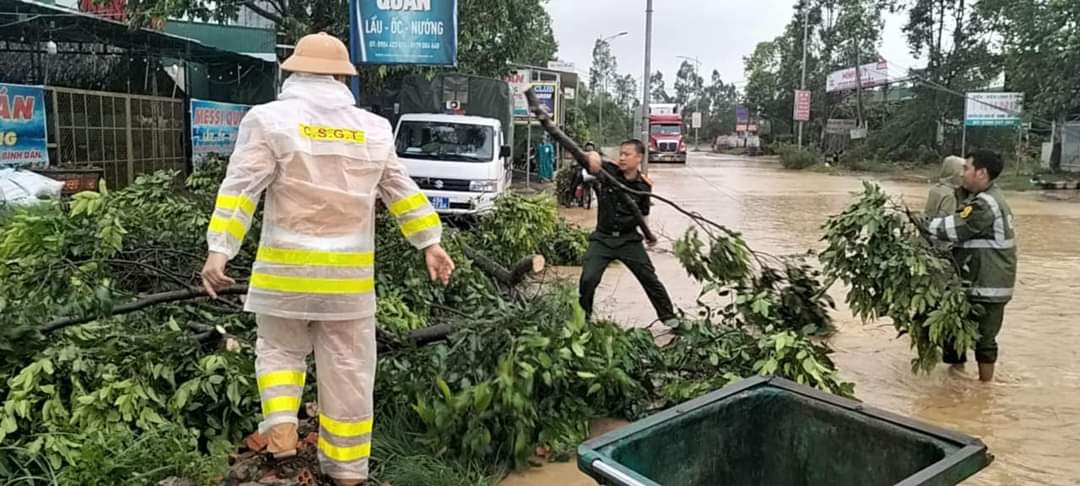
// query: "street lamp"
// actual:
[[696, 61], [603, 89]]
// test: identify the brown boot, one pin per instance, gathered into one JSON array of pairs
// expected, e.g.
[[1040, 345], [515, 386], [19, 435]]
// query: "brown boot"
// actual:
[[986, 372], [282, 439]]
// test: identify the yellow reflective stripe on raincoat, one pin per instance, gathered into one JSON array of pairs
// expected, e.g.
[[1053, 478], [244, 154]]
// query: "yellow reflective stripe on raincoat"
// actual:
[[231, 226], [423, 223], [315, 258], [303, 285], [281, 378], [344, 454], [274, 405], [345, 429], [241, 201], [407, 204]]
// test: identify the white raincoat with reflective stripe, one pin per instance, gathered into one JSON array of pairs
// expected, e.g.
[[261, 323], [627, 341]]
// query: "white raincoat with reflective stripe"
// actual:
[[322, 163]]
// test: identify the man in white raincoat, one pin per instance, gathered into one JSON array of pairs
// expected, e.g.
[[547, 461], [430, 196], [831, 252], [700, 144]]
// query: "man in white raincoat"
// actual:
[[322, 163]]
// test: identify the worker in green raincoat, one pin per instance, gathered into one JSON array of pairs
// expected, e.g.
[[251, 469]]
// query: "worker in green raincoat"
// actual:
[[984, 245]]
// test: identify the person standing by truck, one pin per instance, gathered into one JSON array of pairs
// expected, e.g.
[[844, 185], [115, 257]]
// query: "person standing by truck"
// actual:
[[322, 162], [616, 236]]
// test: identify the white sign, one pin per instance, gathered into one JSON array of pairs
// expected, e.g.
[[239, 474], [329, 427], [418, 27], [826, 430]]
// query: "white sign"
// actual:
[[663, 108], [840, 126], [876, 74], [519, 82], [993, 109], [695, 120], [567, 67], [802, 105], [569, 93]]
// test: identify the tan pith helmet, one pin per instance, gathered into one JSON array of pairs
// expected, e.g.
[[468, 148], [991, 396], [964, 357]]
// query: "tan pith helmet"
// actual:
[[320, 54]]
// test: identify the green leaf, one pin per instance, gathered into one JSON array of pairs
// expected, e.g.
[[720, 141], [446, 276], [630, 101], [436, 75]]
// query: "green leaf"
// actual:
[[443, 387]]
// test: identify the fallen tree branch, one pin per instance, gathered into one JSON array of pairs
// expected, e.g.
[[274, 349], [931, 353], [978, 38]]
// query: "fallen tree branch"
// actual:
[[418, 337], [579, 155], [529, 265], [583, 160], [147, 301]]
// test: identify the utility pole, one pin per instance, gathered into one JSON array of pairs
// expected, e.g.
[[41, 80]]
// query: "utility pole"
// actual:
[[858, 85], [646, 100], [697, 62], [805, 38], [603, 88]]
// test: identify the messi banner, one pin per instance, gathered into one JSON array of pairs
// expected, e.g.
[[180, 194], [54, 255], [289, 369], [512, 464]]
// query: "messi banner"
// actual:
[[421, 32]]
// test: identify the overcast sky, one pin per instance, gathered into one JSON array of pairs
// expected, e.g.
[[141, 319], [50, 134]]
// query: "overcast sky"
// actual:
[[718, 32]]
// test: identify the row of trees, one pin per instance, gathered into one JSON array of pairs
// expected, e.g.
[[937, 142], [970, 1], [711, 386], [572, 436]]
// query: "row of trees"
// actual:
[[616, 97], [965, 44]]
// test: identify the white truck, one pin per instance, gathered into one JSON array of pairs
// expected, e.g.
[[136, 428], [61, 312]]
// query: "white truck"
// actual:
[[462, 163], [454, 134]]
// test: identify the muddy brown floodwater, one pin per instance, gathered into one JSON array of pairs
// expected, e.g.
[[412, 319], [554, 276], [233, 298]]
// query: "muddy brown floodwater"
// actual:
[[1029, 418]]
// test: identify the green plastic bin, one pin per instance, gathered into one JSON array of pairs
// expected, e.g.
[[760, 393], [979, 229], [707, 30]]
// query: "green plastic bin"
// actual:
[[771, 431]]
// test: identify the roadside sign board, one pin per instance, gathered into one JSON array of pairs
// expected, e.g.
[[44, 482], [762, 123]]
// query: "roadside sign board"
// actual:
[[423, 32], [742, 114], [839, 126], [993, 109], [519, 82], [802, 105], [214, 128], [23, 134], [871, 75], [695, 120], [545, 94]]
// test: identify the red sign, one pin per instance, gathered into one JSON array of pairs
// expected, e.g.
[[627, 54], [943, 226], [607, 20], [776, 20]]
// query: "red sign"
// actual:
[[802, 105], [112, 10]]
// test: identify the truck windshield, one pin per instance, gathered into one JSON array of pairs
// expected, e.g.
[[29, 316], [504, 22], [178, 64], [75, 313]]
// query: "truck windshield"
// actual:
[[666, 129], [445, 141]]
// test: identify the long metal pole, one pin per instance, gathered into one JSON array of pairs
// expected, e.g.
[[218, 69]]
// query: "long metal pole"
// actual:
[[697, 141], [963, 137], [646, 99], [805, 38], [528, 152], [603, 91]]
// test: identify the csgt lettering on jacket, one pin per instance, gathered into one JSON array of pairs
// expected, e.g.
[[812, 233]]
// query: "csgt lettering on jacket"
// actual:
[[332, 134]]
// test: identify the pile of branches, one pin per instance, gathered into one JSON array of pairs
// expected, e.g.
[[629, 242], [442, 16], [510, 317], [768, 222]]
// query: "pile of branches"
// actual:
[[109, 346]]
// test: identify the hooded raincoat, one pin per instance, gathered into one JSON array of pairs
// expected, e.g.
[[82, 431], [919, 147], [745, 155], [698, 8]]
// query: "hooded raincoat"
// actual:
[[322, 163]]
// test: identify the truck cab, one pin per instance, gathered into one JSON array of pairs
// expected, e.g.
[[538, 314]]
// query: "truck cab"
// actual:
[[462, 163], [666, 141]]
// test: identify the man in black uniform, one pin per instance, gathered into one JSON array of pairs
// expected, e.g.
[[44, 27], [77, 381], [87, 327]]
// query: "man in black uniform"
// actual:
[[616, 236]]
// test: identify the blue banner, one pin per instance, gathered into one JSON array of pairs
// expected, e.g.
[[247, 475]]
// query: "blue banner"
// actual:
[[404, 32], [545, 94], [742, 114], [214, 127], [23, 135]]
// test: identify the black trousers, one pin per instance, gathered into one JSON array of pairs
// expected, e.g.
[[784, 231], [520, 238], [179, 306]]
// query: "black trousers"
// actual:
[[631, 252]]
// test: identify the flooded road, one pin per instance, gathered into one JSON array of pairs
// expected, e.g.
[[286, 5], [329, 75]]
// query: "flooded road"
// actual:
[[1030, 418]]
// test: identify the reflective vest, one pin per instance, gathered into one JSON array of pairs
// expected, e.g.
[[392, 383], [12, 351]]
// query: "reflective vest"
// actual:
[[322, 163], [984, 244]]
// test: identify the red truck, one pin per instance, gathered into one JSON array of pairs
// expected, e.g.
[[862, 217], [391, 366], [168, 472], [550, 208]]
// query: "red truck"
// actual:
[[666, 142]]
